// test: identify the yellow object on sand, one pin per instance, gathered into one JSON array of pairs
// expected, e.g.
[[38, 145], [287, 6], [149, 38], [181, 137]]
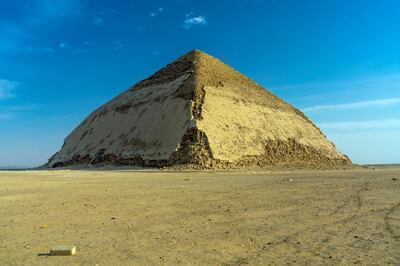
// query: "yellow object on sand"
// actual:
[[63, 251]]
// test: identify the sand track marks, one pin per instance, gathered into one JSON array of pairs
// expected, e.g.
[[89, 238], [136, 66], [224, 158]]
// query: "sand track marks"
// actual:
[[345, 216], [388, 219], [355, 197]]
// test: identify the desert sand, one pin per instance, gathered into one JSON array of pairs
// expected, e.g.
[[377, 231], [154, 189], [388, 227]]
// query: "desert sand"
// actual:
[[221, 218]]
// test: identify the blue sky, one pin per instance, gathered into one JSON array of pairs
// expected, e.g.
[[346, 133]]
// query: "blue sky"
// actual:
[[338, 61]]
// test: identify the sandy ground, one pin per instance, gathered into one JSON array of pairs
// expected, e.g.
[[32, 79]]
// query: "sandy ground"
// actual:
[[218, 218]]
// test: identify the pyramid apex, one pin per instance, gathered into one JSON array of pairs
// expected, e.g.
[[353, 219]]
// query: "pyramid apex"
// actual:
[[196, 51], [195, 54]]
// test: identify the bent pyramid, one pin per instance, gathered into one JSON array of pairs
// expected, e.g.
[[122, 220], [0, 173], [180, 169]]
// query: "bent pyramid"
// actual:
[[197, 111]]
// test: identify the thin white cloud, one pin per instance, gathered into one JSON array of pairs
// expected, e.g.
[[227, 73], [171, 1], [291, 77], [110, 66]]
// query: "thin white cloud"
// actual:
[[12, 37], [48, 50], [6, 88], [58, 8], [82, 51], [5, 116], [156, 12], [15, 37], [111, 11], [25, 107], [87, 43], [386, 84], [379, 81], [354, 105], [11, 111], [64, 45], [118, 45], [362, 125], [97, 21], [192, 20]]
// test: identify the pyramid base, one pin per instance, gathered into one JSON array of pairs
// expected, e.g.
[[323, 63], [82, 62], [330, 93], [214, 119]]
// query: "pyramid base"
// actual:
[[194, 152]]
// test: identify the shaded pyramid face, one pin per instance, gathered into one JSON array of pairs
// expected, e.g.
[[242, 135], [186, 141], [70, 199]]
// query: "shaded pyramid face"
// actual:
[[197, 111]]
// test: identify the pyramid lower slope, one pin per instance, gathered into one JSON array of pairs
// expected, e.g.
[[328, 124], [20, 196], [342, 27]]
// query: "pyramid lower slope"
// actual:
[[138, 127], [201, 112]]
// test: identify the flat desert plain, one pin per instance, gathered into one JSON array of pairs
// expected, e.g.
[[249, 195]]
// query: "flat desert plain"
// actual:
[[336, 217]]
